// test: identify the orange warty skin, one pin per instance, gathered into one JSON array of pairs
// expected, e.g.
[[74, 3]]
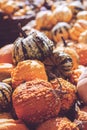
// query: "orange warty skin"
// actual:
[[6, 54], [35, 102], [11, 124], [69, 89], [58, 124], [28, 70]]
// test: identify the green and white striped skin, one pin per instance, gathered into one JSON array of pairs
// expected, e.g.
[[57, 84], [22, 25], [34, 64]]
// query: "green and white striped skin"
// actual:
[[35, 46], [5, 96], [59, 64]]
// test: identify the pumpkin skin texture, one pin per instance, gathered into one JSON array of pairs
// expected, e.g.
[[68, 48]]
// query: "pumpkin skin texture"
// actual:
[[58, 124], [61, 29], [5, 96], [35, 46], [82, 86], [83, 37], [10, 124], [68, 99], [28, 70], [35, 102]]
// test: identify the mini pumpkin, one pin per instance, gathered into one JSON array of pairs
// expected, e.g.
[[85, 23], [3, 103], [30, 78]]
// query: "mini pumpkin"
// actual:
[[82, 15], [44, 20], [61, 29], [28, 70], [83, 37], [34, 46], [5, 96], [62, 14], [79, 27], [59, 63], [75, 7]]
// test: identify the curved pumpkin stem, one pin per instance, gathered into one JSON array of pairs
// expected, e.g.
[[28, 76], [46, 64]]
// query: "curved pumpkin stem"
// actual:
[[64, 42], [21, 31]]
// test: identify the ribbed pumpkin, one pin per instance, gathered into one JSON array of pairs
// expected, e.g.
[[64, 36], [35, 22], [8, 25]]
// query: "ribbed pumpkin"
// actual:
[[61, 29], [83, 37], [82, 15], [61, 14], [34, 46], [59, 63], [44, 20], [79, 27], [35, 101], [5, 96], [75, 7]]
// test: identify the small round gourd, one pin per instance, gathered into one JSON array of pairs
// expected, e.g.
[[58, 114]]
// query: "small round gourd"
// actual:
[[75, 7], [61, 29], [44, 20], [34, 46], [59, 64], [62, 14], [79, 27], [5, 96], [82, 15]]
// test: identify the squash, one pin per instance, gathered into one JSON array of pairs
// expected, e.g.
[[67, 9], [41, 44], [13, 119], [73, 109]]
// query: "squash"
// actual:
[[5, 97], [44, 20], [61, 14], [35, 101], [34, 46], [28, 70], [59, 63], [61, 29], [79, 27], [82, 15]]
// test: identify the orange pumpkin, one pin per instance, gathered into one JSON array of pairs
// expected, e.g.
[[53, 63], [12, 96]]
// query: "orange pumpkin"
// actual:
[[6, 54], [28, 70]]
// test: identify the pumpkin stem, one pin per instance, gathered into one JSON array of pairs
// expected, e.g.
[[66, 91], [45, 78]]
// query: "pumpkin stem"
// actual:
[[21, 31], [64, 42]]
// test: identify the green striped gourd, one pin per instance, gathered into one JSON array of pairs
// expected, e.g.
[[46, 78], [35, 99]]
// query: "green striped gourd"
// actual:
[[34, 46], [5, 96]]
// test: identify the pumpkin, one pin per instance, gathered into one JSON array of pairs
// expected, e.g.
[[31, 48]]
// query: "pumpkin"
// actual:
[[67, 93], [82, 15], [35, 101], [82, 86], [75, 7], [59, 63], [5, 96], [5, 70], [6, 54], [28, 70], [58, 123], [61, 14], [11, 124], [44, 20], [34, 46], [79, 27], [61, 29], [83, 37]]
